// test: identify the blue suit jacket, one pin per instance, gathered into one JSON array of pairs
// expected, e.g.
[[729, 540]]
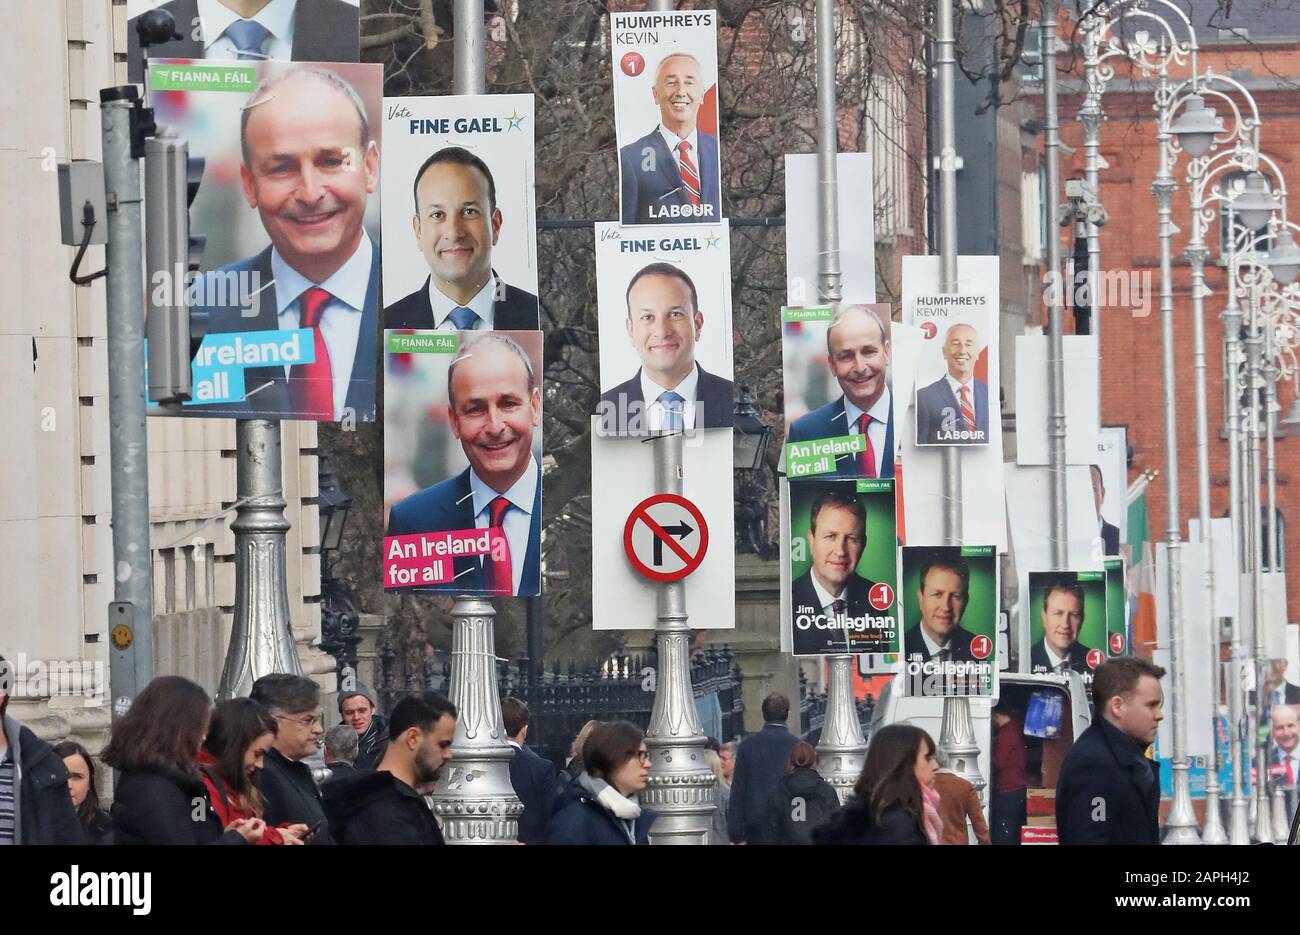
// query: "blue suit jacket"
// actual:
[[661, 185], [936, 408], [829, 421], [448, 506], [245, 311]]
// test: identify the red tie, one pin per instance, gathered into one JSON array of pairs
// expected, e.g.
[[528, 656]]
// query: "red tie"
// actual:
[[967, 410], [866, 459], [690, 175], [311, 386], [497, 564], [1290, 773]]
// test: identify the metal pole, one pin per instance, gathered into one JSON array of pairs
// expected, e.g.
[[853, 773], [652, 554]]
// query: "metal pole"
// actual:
[[681, 785], [1255, 354], [1180, 828], [1055, 345], [261, 641], [1281, 819], [1196, 253], [474, 797], [1238, 805], [956, 730], [1091, 116], [842, 747], [131, 662]]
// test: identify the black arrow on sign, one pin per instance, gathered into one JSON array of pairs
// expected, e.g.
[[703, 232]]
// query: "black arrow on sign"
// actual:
[[680, 531]]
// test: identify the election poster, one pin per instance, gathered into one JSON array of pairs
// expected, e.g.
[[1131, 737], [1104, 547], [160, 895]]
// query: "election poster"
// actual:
[[1066, 618], [949, 601], [462, 462], [666, 116], [803, 237], [664, 319], [288, 206], [839, 409], [1110, 485], [285, 30], [1117, 641], [1081, 367], [622, 479], [952, 369], [843, 567], [460, 214]]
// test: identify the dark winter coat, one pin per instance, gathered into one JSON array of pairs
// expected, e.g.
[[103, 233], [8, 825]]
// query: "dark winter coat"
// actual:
[[533, 778], [165, 808], [853, 824], [378, 808], [761, 760], [290, 795], [1108, 792], [372, 744], [45, 813], [801, 802], [580, 819]]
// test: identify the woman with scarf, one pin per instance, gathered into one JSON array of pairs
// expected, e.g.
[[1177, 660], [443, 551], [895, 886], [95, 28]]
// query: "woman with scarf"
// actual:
[[600, 806], [894, 799], [239, 734]]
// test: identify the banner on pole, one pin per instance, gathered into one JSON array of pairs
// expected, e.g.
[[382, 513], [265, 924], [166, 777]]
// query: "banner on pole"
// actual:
[[1065, 614], [949, 601]]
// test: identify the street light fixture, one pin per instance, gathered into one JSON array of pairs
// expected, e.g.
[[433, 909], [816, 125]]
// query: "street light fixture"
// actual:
[[1284, 259], [333, 503], [1255, 203], [1197, 126], [749, 441]]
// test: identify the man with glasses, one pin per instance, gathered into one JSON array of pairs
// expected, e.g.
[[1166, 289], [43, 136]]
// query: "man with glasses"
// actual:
[[285, 780]]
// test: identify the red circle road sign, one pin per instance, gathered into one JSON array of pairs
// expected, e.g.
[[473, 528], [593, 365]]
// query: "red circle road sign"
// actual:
[[660, 540]]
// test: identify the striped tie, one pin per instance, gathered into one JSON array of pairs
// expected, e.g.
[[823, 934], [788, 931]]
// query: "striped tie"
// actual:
[[690, 176], [967, 410]]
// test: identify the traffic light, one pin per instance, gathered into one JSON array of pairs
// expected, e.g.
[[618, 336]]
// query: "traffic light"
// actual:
[[172, 256]]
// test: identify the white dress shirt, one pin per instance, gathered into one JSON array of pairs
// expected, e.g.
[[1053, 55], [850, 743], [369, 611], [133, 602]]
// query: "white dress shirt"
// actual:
[[214, 18], [955, 385], [673, 140], [483, 304], [878, 428], [826, 598], [517, 519], [934, 648], [1054, 662], [656, 413], [340, 322]]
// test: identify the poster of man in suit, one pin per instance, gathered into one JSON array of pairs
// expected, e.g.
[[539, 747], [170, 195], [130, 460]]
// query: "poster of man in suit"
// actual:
[[949, 599], [275, 30], [666, 116], [952, 371], [289, 292], [1067, 622], [462, 461], [839, 405], [460, 216], [664, 312], [843, 567]]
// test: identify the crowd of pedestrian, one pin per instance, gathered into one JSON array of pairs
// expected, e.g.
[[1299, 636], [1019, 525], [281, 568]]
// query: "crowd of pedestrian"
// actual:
[[238, 773]]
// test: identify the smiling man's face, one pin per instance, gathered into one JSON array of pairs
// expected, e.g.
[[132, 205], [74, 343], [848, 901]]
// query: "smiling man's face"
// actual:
[[663, 327], [679, 91], [960, 350], [456, 228]]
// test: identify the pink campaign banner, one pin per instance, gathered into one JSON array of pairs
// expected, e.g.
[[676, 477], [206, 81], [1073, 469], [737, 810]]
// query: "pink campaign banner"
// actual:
[[429, 557]]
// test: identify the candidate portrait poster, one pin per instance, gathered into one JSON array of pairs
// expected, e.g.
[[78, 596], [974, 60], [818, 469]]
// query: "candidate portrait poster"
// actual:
[[286, 30], [666, 116], [462, 462], [664, 318], [460, 214], [839, 410], [1117, 642], [953, 396], [948, 596], [288, 205], [843, 567], [1067, 621]]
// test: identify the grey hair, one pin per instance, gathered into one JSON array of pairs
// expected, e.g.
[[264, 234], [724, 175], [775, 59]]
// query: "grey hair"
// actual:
[[342, 742], [330, 78], [490, 337], [842, 312], [942, 756], [672, 55], [730, 745], [961, 324]]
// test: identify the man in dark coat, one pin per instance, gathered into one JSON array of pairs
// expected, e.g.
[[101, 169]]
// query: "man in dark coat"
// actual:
[[388, 805], [760, 763], [35, 807], [1109, 792], [340, 753], [286, 783], [532, 776]]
